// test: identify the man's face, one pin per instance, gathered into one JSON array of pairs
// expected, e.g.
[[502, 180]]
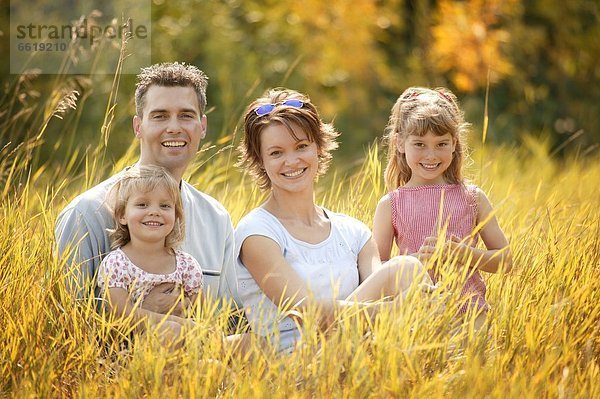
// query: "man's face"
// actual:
[[170, 128]]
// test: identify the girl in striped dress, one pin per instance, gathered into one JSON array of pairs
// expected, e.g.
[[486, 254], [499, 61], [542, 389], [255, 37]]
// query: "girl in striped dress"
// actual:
[[429, 203]]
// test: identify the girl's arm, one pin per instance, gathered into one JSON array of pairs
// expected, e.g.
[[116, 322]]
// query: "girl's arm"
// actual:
[[498, 250], [193, 298], [192, 301], [383, 232], [192, 282]]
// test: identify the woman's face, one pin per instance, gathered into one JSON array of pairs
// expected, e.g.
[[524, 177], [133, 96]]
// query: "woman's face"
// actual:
[[291, 164]]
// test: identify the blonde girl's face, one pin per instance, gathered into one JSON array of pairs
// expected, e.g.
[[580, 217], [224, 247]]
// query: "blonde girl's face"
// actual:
[[149, 216], [428, 157]]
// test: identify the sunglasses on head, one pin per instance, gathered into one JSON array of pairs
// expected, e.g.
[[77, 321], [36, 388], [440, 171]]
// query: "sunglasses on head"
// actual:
[[268, 108]]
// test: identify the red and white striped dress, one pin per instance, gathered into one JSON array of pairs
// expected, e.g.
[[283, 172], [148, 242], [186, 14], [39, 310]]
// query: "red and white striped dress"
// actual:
[[416, 215]]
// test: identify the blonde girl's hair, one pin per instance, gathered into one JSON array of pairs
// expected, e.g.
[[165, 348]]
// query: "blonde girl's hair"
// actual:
[[144, 178], [306, 118], [417, 111]]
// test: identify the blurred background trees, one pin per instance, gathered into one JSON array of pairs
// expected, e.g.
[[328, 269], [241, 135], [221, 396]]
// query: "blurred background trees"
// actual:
[[354, 57]]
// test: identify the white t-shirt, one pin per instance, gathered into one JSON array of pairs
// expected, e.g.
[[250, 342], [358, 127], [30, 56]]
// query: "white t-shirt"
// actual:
[[329, 268]]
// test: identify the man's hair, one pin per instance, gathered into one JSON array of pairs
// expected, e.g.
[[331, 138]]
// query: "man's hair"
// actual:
[[170, 75]]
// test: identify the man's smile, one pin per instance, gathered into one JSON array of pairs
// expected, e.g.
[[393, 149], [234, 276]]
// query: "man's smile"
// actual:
[[174, 143]]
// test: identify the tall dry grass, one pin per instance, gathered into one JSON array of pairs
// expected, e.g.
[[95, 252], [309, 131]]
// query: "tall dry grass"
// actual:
[[542, 338]]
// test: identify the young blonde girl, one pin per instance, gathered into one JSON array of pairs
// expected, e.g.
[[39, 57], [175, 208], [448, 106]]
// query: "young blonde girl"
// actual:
[[428, 195], [149, 225]]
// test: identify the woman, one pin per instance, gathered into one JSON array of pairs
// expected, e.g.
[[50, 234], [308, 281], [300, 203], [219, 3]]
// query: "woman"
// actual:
[[291, 253]]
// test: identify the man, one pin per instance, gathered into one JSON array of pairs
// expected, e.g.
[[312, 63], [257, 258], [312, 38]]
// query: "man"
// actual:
[[170, 101]]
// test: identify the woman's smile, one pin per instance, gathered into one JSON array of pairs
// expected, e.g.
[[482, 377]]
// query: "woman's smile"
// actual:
[[290, 162], [295, 173]]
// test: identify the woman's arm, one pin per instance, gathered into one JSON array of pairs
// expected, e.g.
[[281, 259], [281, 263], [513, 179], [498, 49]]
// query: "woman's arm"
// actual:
[[383, 232], [368, 260], [286, 289], [497, 250], [276, 278]]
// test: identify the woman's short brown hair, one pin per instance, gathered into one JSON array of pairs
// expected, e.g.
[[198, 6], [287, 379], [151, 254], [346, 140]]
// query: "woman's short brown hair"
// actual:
[[306, 118]]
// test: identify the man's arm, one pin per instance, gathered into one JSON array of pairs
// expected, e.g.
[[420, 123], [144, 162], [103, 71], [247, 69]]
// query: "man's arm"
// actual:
[[78, 247], [228, 280], [163, 299]]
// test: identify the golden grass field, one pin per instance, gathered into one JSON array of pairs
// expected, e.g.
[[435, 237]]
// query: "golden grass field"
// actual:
[[542, 340]]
